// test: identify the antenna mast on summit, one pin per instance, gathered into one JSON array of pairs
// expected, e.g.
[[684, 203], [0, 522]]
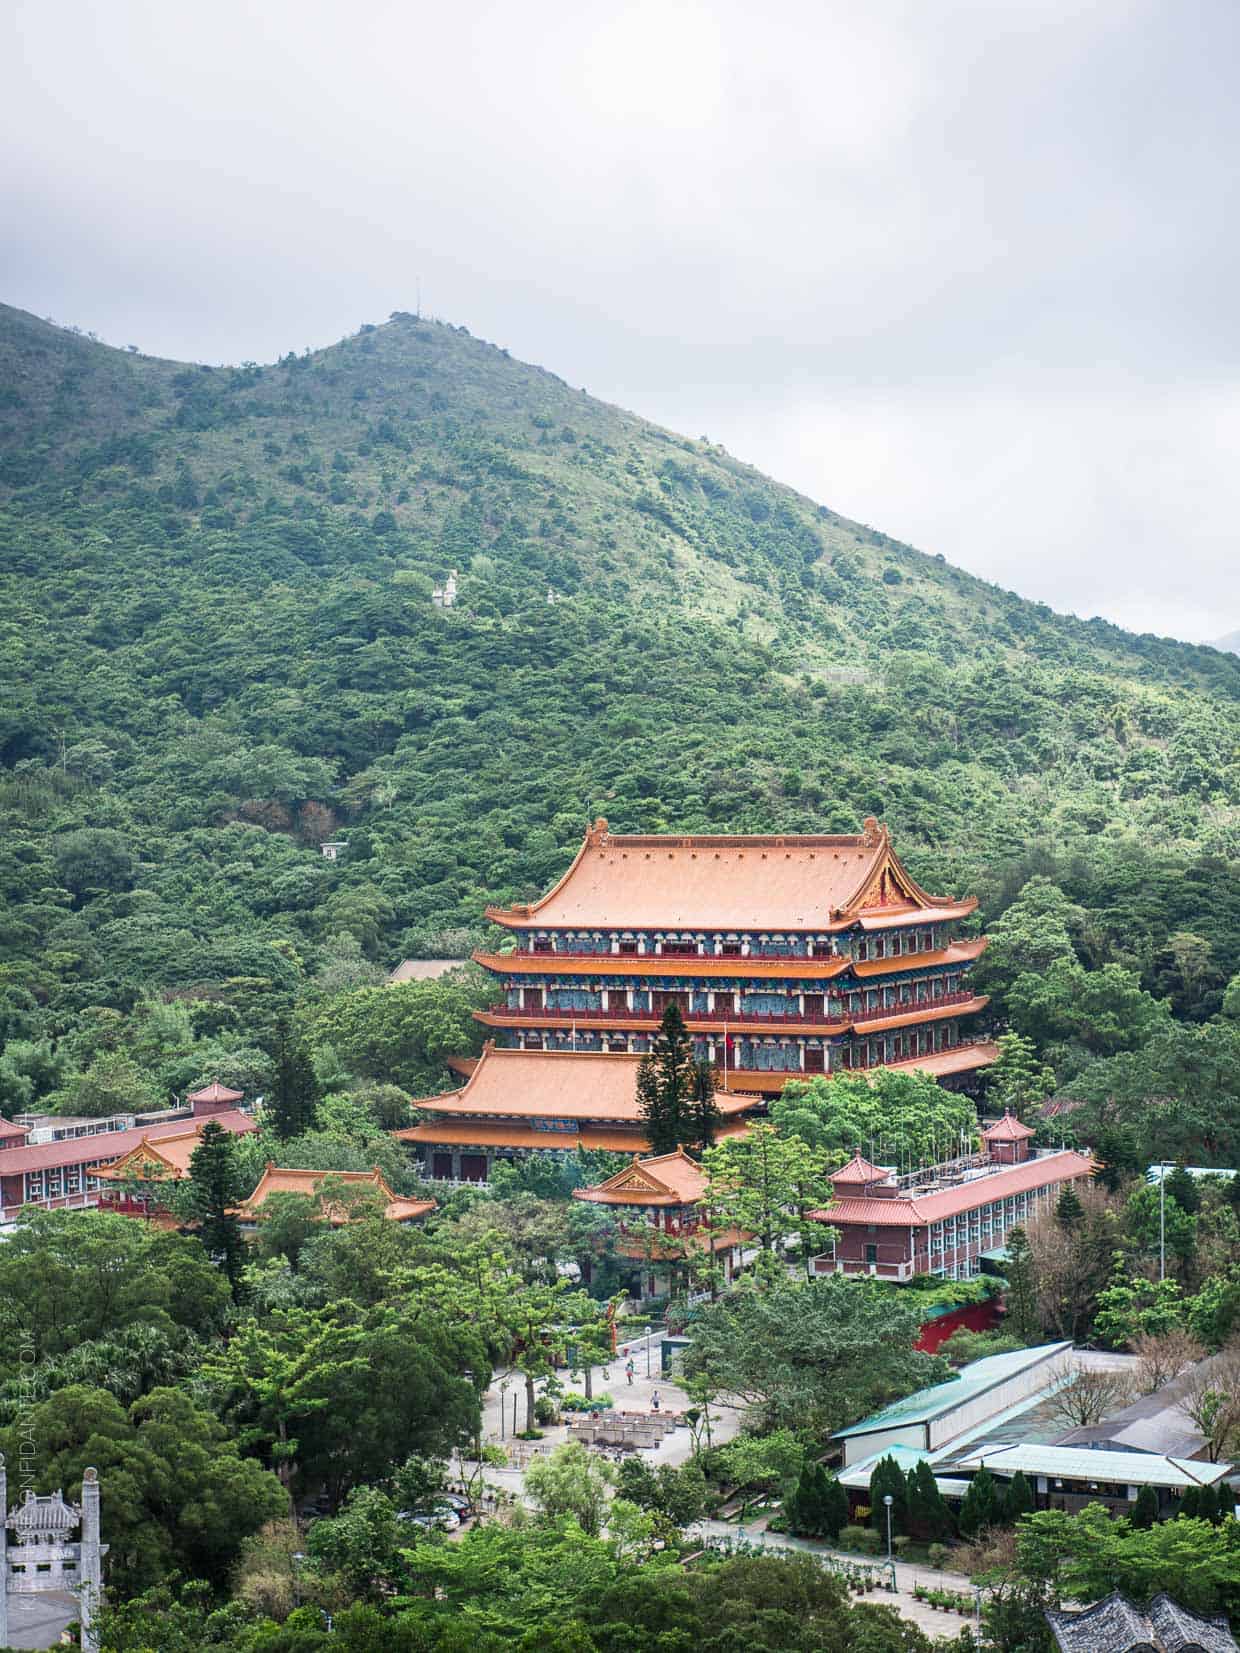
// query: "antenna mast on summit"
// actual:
[[418, 305]]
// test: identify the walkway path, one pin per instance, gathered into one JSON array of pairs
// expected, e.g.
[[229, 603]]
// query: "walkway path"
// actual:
[[930, 1619]]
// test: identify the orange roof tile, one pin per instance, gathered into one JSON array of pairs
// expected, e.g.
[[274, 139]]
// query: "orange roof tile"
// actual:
[[556, 1084], [960, 952], [786, 882], [177, 1139], [283, 1179], [667, 1179], [1007, 1129], [859, 1173], [215, 1092], [897, 1212], [959, 1059], [496, 1133]]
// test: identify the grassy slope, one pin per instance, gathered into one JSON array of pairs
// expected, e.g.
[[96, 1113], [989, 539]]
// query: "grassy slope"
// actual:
[[217, 585]]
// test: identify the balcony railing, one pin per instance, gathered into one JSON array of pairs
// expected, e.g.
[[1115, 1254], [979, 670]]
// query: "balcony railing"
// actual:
[[606, 953], [791, 1019], [878, 1271]]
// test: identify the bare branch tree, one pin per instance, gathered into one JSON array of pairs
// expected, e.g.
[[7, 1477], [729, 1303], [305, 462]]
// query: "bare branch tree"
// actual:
[[1090, 1393], [1211, 1400], [1161, 1359]]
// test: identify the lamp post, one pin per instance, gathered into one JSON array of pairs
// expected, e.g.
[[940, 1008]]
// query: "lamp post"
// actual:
[[888, 1501], [503, 1406]]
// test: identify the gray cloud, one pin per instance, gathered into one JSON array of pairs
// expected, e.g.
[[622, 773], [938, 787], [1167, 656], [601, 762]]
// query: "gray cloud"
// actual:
[[965, 271]]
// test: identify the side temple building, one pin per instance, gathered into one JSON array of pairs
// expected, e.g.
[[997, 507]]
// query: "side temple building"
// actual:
[[788, 956]]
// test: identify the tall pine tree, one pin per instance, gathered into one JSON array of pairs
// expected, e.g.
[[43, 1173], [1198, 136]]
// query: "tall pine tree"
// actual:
[[294, 1092], [888, 1478], [703, 1113], [980, 1506], [1022, 1292], [212, 1192], [666, 1082]]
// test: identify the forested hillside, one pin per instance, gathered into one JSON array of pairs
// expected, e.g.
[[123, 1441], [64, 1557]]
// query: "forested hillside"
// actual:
[[220, 647]]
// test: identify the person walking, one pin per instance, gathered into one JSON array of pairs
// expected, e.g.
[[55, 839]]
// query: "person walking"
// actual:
[[654, 1401], [628, 1372]]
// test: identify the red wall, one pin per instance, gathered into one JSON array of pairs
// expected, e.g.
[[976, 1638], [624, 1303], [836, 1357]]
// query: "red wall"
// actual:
[[976, 1317]]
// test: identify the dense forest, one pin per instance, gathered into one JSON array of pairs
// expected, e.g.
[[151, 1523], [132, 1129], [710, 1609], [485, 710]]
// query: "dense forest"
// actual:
[[221, 647], [225, 644]]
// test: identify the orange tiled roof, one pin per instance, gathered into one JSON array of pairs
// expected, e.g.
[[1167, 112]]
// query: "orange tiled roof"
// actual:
[[560, 1084], [667, 1179], [959, 1059], [959, 952], [785, 882], [859, 1173], [1007, 1129], [164, 1150], [215, 1092], [897, 1212], [498, 1133], [658, 1248], [283, 1179]]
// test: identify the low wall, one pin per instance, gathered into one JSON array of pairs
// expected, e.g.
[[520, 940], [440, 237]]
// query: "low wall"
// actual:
[[973, 1317]]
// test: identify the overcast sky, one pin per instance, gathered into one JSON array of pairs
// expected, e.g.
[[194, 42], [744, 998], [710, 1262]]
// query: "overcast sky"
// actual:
[[965, 271]]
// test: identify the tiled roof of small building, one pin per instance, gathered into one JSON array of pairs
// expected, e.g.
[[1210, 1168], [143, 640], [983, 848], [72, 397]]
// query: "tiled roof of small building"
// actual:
[[283, 1179], [1117, 1625], [665, 1179], [859, 1173], [47, 1514], [215, 1092], [786, 882], [1007, 1129]]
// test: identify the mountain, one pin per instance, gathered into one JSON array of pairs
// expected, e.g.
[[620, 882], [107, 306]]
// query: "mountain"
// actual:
[[1229, 644], [220, 645]]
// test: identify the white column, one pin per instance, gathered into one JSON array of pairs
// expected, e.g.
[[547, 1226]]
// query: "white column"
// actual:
[[90, 1570], [4, 1566]]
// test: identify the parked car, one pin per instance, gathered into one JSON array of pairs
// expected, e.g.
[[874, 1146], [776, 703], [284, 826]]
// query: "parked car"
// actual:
[[440, 1517]]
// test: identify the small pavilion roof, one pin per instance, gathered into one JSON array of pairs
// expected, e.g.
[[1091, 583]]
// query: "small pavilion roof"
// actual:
[[282, 1179], [666, 1179], [48, 1514], [11, 1134], [215, 1092], [1007, 1129], [785, 882], [556, 1084], [859, 1173]]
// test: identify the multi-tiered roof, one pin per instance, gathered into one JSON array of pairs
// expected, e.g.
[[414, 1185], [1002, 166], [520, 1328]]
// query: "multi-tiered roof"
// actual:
[[788, 954]]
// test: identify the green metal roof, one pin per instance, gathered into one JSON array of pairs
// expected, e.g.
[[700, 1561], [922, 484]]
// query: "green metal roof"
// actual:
[[974, 1379], [1083, 1463]]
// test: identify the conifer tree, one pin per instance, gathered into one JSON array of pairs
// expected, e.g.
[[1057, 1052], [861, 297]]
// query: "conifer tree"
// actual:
[[980, 1508], [832, 1504], [703, 1113], [1022, 1299], [1069, 1212], [666, 1081], [1145, 1510], [802, 1508], [887, 1477], [212, 1192], [1190, 1503], [1017, 1500], [657, 1127], [928, 1513], [294, 1092]]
